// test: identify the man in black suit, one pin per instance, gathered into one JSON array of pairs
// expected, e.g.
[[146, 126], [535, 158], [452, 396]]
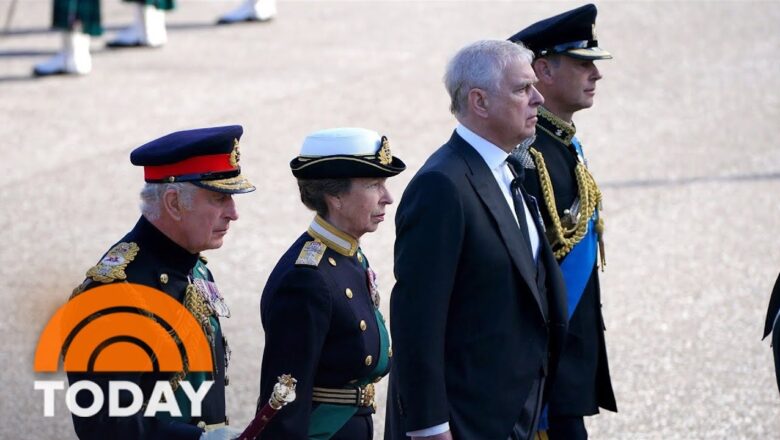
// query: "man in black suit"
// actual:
[[478, 312], [772, 316], [566, 52]]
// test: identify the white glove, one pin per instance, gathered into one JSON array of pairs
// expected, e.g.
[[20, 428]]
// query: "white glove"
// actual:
[[224, 433]]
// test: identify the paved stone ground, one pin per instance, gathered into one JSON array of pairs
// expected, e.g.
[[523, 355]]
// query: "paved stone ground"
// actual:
[[680, 139]]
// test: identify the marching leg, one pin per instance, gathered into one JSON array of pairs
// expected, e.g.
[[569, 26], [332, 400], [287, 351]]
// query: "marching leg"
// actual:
[[74, 58]]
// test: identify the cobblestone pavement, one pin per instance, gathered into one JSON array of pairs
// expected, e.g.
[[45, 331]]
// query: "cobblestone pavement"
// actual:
[[680, 140]]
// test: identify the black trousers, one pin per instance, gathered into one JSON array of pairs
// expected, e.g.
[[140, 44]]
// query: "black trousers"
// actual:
[[567, 428], [525, 427]]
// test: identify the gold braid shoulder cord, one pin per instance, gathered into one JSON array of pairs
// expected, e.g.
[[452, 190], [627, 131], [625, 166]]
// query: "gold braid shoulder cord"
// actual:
[[195, 303], [590, 200]]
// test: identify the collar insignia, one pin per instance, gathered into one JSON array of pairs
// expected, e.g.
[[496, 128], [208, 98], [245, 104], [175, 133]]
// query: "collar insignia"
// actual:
[[337, 240], [555, 126]]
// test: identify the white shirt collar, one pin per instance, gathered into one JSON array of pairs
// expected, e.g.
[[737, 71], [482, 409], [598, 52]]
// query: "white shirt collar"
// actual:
[[493, 156]]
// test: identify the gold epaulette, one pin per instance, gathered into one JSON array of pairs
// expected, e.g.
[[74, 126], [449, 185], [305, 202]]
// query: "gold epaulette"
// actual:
[[311, 254], [112, 266]]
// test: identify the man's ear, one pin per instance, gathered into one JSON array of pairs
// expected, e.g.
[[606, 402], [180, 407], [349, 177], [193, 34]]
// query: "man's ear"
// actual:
[[171, 204], [478, 102], [544, 69]]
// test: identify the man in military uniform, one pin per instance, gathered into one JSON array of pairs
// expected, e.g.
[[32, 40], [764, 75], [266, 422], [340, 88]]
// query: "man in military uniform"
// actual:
[[556, 174], [772, 316], [187, 207]]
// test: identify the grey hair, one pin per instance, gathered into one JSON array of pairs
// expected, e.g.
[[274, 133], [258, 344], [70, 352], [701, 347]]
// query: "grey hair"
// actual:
[[480, 65], [313, 192], [151, 197]]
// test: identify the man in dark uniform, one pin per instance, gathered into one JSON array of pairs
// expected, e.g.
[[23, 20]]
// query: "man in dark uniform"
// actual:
[[772, 316], [320, 306], [187, 206], [556, 174]]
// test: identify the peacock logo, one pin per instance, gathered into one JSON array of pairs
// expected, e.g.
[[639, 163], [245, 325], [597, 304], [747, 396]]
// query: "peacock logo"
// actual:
[[122, 328]]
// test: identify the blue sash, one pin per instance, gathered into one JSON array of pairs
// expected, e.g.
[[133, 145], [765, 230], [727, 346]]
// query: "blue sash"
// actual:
[[576, 267]]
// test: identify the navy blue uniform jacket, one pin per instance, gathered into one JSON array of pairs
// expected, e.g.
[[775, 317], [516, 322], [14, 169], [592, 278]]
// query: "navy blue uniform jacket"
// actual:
[[313, 332]]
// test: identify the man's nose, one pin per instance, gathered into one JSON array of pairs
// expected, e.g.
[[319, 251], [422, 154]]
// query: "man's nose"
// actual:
[[536, 97], [596, 73], [231, 212]]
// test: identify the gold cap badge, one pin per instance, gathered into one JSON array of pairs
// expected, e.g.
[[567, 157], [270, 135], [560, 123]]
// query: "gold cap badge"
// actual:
[[384, 155], [235, 155]]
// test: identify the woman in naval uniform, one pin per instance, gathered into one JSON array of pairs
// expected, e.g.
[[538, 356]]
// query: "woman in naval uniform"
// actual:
[[320, 306]]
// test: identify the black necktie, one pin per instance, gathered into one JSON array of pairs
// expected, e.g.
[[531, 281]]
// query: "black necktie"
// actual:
[[516, 188]]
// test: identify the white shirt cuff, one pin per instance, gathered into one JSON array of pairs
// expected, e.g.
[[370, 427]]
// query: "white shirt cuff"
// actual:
[[433, 430]]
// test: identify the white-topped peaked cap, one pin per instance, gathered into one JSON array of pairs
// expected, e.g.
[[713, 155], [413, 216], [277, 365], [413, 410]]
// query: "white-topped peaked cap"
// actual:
[[350, 141], [343, 153]]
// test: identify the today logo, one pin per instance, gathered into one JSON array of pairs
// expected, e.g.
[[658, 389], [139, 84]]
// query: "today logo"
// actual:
[[122, 328]]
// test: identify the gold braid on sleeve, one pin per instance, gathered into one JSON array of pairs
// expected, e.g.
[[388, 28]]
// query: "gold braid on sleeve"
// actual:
[[561, 239]]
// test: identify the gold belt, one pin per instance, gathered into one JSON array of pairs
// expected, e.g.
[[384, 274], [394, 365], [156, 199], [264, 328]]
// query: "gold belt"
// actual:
[[353, 396]]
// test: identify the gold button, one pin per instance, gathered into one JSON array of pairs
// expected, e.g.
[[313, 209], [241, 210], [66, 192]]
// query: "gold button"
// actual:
[[164, 278], [348, 292], [331, 261], [389, 351], [363, 325], [369, 360], [360, 257]]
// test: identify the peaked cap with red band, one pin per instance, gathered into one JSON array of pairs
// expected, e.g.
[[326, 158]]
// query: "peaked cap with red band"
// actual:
[[206, 157]]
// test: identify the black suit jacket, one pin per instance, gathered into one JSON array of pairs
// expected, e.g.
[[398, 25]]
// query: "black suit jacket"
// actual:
[[774, 308], [470, 332]]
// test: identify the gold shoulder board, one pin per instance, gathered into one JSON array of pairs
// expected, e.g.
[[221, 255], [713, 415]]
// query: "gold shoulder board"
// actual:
[[311, 254], [112, 266]]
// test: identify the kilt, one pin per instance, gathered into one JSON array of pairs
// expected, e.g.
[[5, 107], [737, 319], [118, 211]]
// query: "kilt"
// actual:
[[66, 13]]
